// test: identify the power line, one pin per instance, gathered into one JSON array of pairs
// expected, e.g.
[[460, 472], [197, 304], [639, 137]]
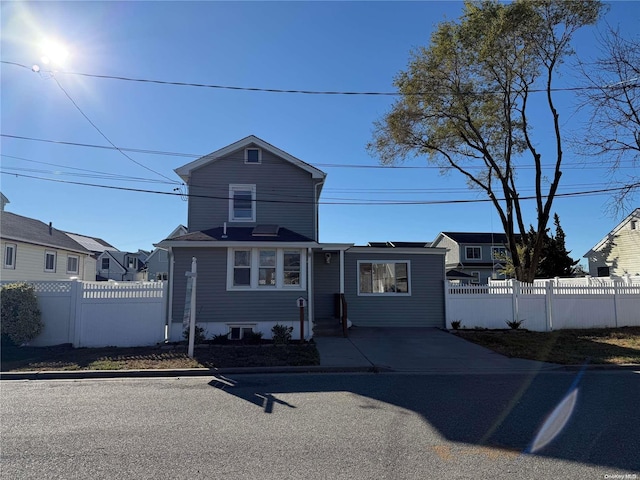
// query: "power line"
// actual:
[[279, 90], [360, 203], [565, 165], [104, 136]]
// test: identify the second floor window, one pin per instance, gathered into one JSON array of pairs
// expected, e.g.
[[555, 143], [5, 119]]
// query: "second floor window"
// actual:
[[498, 253], [49, 261], [132, 262], [242, 203], [473, 253], [105, 264], [10, 255]]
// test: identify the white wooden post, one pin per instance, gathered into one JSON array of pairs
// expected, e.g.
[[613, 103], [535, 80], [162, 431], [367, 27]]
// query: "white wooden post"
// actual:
[[549, 304], [615, 301], [515, 287], [75, 310], [192, 313]]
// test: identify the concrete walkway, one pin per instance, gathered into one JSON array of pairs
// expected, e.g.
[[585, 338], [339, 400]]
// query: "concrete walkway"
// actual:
[[416, 350]]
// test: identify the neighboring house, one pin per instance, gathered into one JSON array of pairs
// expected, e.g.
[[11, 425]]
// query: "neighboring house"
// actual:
[[473, 257], [157, 263], [95, 245], [33, 250], [618, 253], [253, 228], [3, 201], [121, 266]]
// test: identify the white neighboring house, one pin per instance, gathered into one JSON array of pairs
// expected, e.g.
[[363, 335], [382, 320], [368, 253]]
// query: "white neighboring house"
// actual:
[[33, 250], [121, 266], [618, 253], [158, 262]]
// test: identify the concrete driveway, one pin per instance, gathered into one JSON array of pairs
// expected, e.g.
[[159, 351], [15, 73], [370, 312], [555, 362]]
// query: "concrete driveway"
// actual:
[[416, 350]]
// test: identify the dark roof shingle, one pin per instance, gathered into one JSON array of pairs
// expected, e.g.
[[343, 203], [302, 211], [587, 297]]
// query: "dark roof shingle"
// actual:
[[30, 230]]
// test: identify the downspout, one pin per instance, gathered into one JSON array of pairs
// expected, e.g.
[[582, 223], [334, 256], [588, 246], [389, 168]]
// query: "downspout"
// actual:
[[310, 305], [316, 217], [169, 315]]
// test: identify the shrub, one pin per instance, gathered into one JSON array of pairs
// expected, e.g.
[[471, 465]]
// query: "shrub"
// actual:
[[220, 339], [281, 334], [253, 338], [514, 324], [20, 316], [198, 337], [455, 324]]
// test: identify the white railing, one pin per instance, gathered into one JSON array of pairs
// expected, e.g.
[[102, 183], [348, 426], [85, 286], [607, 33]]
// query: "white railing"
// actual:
[[99, 314], [544, 306]]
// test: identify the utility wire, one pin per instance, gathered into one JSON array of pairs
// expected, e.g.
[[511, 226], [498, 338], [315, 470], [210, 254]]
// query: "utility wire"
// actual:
[[565, 165], [279, 90], [104, 136], [412, 202]]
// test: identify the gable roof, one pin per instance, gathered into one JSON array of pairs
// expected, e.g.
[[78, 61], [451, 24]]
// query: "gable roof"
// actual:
[[633, 215], [475, 237], [29, 230], [185, 170]]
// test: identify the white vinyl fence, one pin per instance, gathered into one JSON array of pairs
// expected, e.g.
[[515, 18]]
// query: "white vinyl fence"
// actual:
[[101, 314], [544, 306]]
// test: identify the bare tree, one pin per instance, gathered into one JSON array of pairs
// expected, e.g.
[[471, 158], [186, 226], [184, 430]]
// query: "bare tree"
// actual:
[[612, 133]]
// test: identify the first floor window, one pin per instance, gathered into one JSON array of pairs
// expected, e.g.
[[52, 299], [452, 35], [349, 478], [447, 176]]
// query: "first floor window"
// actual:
[[72, 263], [10, 255], [162, 276], [49, 261], [383, 278], [265, 268], [603, 271]]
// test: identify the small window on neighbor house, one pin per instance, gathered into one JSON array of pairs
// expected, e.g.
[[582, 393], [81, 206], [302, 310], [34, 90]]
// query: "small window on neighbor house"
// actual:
[[476, 277], [162, 276], [49, 261], [603, 271], [473, 253], [634, 224], [132, 262], [72, 263], [105, 263], [498, 253], [10, 256], [252, 155]]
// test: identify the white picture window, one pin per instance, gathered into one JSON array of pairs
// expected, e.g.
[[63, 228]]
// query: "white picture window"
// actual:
[[252, 155], [10, 255], [49, 261], [498, 253], [383, 278], [266, 269], [242, 203], [73, 262], [473, 253]]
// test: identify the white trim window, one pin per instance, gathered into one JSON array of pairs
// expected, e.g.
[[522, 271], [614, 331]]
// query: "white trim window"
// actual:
[[253, 155], [50, 261], [238, 332], [473, 253], [10, 255], [73, 262], [498, 253], [132, 262], [385, 277], [266, 269], [242, 203]]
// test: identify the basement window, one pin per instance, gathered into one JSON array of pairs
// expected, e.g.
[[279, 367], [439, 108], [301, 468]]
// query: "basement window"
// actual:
[[238, 332]]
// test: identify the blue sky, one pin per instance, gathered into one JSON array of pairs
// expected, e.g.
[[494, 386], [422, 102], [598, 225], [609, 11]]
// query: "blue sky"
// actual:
[[338, 46]]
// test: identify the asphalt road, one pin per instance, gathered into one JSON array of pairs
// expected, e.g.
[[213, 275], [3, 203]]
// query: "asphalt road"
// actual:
[[329, 426]]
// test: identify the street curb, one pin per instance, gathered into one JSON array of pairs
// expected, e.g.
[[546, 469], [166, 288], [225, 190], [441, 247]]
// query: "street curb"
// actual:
[[204, 372], [188, 372]]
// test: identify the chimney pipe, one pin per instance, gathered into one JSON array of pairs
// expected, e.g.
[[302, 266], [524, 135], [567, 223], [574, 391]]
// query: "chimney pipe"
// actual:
[[50, 228]]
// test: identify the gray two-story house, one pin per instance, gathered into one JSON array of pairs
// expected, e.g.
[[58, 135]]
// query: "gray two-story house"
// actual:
[[473, 257], [253, 229]]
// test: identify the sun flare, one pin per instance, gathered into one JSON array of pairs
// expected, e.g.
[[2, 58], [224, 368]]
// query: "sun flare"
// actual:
[[53, 52]]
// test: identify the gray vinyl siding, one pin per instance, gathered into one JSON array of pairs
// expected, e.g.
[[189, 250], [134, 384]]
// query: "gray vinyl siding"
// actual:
[[423, 308], [326, 283], [215, 304], [274, 178], [158, 263]]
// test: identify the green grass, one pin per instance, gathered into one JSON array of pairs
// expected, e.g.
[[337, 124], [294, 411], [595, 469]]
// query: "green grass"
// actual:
[[570, 347], [209, 356]]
